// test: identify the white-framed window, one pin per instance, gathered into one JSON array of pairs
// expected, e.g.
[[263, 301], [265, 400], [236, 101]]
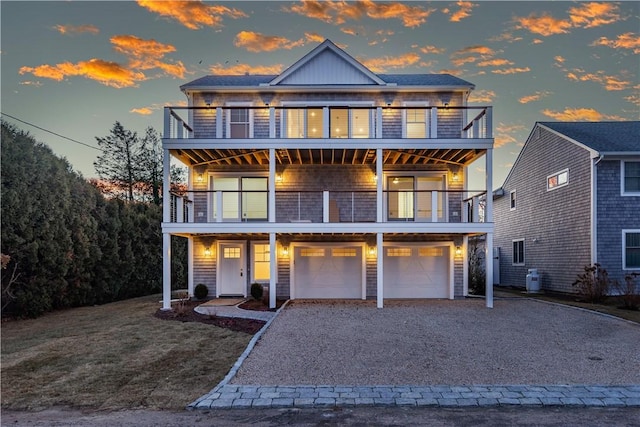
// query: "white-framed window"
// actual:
[[631, 249], [303, 122], [518, 252], [345, 122], [512, 200], [630, 178], [261, 259], [238, 198], [416, 197], [415, 120], [239, 120], [558, 179]]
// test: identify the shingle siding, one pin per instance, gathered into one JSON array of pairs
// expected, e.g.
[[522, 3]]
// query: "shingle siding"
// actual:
[[558, 220], [614, 213]]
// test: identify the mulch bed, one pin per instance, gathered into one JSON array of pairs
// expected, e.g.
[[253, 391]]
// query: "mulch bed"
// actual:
[[249, 326]]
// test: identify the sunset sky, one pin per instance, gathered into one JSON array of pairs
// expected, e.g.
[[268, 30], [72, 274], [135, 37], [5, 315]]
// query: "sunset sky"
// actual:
[[75, 68]]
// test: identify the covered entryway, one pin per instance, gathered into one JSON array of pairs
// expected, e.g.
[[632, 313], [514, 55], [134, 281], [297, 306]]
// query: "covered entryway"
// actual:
[[418, 271], [232, 267], [328, 271]]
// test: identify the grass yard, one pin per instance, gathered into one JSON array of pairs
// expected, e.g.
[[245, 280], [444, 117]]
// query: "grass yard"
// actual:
[[113, 356]]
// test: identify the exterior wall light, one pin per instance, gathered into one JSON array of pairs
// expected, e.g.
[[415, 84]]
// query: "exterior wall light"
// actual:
[[458, 251], [285, 251], [200, 177], [207, 252], [372, 251], [455, 176], [278, 177]]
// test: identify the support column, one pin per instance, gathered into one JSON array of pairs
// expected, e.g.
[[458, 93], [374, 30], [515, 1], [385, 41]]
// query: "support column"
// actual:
[[166, 179], [488, 255], [273, 269], [190, 265], [272, 185], [379, 183], [465, 265], [166, 271], [488, 212], [379, 271]]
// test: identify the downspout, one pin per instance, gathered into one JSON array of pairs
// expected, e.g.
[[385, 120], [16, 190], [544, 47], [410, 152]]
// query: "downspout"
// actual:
[[594, 210]]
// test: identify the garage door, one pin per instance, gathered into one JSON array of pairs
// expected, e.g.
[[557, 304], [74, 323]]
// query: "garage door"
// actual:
[[328, 272], [416, 272]]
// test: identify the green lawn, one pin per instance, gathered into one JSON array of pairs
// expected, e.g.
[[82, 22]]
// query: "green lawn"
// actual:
[[113, 356]]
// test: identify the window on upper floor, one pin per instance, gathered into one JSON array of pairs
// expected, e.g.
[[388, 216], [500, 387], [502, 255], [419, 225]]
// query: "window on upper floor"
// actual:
[[303, 123], [631, 249], [416, 123], [347, 122], [512, 200], [416, 198], [558, 179], [239, 123], [518, 252], [237, 198], [630, 173]]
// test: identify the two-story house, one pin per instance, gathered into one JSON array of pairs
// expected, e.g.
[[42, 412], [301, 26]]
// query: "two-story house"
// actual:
[[572, 199], [328, 181]]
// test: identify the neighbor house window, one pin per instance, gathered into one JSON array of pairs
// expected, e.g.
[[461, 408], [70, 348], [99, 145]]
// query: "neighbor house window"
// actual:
[[512, 200], [518, 252], [559, 179], [630, 178], [631, 249], [261, 262]]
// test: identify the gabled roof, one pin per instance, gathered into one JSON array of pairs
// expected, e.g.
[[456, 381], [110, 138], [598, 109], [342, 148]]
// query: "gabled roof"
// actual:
[[600, 138], [315, 64], [603, 137]]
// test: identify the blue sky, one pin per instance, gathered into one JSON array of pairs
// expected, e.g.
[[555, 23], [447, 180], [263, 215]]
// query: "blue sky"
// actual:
[[75, 68]]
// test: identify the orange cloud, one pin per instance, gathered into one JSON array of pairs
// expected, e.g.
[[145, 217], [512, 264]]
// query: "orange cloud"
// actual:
[[494, 63], [349, 31], [512, 70], [579, 114], [624, 41], [506, 134], [463, 12], [477, 49], [144, 111], [535, 97], [76, 29], [471, 54], [108, 73], [545, 25], [147, 54], [594, 14], [634, 99], [432, 49], [338, 12], [610, 83], [241, 69], [31, 83], [192, 14], [314, 37], [559, 60], [256, 42], [482, 96], [379, 65]]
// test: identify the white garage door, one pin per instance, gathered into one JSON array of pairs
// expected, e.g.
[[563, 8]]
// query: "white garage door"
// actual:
[[328, 272], [416, 272]]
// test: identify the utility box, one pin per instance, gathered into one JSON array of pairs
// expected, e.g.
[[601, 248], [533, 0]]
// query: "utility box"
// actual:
[[533, 281]]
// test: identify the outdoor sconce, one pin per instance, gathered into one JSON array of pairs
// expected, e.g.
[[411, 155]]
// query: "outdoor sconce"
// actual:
[[207, 251], [455, 176], [285, 251], [207, 101], [446, 105], [375, 178], [200, 178], [458, 251], [372, 251], [278, 177]]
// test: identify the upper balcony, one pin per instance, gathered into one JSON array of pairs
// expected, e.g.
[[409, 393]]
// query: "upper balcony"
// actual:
[[314, 126]]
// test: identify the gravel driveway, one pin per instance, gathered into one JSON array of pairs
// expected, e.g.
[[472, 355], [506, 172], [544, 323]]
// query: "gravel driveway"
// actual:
[[438, 342]]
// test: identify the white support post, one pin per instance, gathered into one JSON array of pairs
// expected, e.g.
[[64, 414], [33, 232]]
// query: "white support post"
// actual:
[[272, 185], [379, 122], [476, 128], [475, 209], [272, 122], [325, 206], [379, 182], [465, 265], [166, 271], [488, 257], [218, 206], [166, 179], [434, 206], [219, 122], [489, 122], [488, 210], [434, 123], [379, 271], [325, 122], [190, 265], [180, 129], [273, 269], [179, 209], [167, 122]]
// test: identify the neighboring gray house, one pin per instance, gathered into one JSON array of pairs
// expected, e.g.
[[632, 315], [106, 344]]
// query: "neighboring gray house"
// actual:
[[328, 181], [571, 199]]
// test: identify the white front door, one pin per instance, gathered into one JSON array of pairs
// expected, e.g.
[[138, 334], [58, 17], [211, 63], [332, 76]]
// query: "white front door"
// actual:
[[232, 269]]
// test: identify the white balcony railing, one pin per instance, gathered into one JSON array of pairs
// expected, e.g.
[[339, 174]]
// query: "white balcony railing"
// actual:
[[270, 122]]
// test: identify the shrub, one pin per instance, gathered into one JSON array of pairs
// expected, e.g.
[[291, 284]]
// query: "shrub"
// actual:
[[182, 308], [201, 291], [256, 291], [628, 292], [593, 285], [477, 276]]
